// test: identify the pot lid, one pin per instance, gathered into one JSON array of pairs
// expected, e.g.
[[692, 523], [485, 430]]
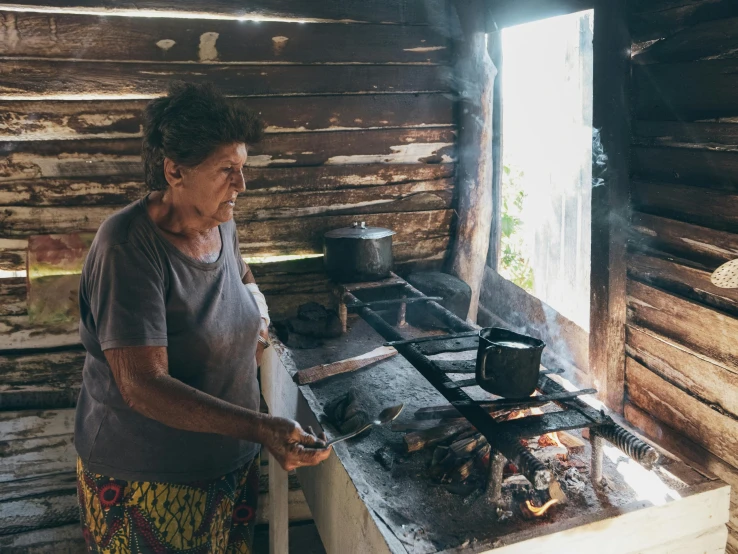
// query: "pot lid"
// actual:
[[359, 230]]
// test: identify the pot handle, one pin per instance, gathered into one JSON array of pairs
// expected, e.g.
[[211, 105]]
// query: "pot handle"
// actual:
[[483, 365]]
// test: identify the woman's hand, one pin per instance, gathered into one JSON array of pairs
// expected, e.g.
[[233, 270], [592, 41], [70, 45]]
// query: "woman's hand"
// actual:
[[293, 447], [263, 333]]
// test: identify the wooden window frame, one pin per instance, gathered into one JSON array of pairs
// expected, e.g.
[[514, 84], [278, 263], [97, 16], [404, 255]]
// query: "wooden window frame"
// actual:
[[610, 202]]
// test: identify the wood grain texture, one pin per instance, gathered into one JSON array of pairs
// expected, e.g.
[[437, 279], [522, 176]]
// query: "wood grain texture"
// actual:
[[13, 296], [683, 280], [53, 120], [89, 37], [709, 208], [721, 136], [701, 330], [686, 91], [13, 254], [64, 539], [654, 19], [701, 245], [715, 39], [705, 426], [408, 12], [611, 116], [17, 333], [476, 73], [24, 160], [42, 79], [49, 380], [712, 384], [685, 166]]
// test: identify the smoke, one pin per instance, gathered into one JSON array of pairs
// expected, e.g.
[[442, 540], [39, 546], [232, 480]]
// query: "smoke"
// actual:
[[599, 160]]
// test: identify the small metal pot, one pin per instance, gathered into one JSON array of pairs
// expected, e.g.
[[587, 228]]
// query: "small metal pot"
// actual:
[[358, 253], [508, 364]]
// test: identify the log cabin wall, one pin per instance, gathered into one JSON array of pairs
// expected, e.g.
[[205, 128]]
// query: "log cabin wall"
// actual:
[[359, 120], [682, 332]]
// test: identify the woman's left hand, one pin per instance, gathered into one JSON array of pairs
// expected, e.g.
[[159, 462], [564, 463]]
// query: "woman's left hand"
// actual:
[[264, 333]]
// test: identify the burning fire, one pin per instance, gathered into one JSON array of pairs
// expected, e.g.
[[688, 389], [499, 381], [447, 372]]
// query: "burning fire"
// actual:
[[549, 439], [536, 511]]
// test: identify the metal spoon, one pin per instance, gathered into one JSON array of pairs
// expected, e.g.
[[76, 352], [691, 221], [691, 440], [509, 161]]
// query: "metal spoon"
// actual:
[[385, 416]]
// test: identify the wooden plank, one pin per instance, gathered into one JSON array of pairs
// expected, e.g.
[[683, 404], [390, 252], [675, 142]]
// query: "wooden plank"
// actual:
[[121, 190], [708, 541], [46, 380], [699, 244], [29, 457], [36, 424], [701, 134], [688, 91], [410, 12], [13, 254], [684, 448], [17, 333], [47, 510], [65, 539], [687, 166], [88, 37], [689, 282], [711, 384], [13, 296], [707, 40], [702, 330], [65, 80], [97, 157], [610, 203], [52, 120], [710, 429], [653, 19]]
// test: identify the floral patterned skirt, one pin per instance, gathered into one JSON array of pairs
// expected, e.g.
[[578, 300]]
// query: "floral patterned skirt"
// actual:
[[137, 517]]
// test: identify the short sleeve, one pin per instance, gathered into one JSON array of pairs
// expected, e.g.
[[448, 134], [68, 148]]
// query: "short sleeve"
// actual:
[[127, 294], [237, 253]]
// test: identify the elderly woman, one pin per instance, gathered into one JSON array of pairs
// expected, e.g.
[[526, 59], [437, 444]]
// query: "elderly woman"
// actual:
[[168, 425]]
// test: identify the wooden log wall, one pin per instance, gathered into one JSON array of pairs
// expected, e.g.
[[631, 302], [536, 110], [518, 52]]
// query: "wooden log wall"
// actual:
[[682, 332], [356, 99]]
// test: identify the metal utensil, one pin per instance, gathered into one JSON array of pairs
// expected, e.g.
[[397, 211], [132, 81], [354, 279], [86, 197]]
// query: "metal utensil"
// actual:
[[726, 276], [385, 416]]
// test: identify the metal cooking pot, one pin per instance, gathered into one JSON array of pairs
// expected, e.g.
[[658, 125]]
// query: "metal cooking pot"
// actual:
[[508, 364], [358, 253]]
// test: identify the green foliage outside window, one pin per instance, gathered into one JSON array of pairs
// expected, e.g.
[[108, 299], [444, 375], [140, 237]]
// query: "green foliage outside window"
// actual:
[[514, 265]]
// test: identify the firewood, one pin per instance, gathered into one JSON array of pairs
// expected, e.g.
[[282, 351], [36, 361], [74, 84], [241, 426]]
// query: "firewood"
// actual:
[[323, 371], [422, 439], [573, 444]]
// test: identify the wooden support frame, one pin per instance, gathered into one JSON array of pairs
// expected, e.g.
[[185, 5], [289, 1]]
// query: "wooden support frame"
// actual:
[[610, 201]]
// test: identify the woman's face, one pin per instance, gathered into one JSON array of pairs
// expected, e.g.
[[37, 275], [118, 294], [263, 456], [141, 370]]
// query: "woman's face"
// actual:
[[208, 191]]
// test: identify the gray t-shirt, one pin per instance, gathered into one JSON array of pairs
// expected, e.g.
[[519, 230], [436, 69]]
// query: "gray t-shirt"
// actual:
[[138, 289]]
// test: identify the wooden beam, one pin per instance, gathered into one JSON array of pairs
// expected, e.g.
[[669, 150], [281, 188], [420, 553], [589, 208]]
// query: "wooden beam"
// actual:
[[710, 383], [698, 244], [90, 37], [45, 79], [700, 329], [705, 168], [689, 282], [13, 296], [686, 91], [494, 45], [610, 202], [707, 427], [408, 12], [475, 73], [685, 134], [54, 120], [654, 19]]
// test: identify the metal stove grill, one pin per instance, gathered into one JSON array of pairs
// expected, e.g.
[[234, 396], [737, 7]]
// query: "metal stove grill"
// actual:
[[503, 437]]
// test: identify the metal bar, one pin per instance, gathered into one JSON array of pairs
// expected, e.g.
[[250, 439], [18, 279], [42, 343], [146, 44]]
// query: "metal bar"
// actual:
[[534, 426], [391, 302], [506, 444], [433, 338], [597, 457], [623, 439], [495, 478]]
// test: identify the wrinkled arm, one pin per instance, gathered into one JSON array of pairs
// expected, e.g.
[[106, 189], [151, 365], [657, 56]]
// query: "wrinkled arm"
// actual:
[[142, 376]]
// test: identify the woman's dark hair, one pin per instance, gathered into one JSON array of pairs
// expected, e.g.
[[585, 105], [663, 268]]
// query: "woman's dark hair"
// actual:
[[187, 126]]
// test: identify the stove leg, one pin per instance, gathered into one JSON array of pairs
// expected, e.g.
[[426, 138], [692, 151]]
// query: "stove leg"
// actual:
[[597, 457], [341, 309], [494, 482], [401, 313]]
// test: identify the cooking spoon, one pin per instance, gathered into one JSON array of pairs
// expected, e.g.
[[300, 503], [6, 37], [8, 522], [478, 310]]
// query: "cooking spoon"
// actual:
[[726, 276], [385, 416]]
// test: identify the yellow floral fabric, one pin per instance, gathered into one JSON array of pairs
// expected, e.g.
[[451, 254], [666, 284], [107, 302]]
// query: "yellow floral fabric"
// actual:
[[140, 517]]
